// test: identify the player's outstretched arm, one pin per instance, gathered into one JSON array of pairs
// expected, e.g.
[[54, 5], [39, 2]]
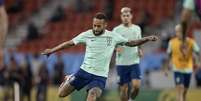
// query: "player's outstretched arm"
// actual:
[[133, 43], [64, 45], [166, 64]]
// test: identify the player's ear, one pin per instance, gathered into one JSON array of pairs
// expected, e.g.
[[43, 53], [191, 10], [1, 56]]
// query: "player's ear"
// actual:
[[131, 16], [105, 24]]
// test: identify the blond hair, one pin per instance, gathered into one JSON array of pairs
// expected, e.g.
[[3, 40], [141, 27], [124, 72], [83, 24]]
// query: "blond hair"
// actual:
[[126, 10]]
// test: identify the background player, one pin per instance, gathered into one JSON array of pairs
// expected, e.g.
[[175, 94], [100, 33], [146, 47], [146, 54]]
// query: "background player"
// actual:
[[3, 29], [128, 58], [100, 44], [182, 61]]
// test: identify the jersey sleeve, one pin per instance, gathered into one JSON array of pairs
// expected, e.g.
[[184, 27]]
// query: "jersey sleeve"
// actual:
[[81, 38], [195, 47], [114, 30], [119, 39]]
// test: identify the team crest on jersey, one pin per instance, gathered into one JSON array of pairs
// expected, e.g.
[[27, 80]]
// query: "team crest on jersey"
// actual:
[[109, 41]]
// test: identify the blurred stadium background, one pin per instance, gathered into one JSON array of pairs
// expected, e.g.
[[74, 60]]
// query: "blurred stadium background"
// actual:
[[35, 25]]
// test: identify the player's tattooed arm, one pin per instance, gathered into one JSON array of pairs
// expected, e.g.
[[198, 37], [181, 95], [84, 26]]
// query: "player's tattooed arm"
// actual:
[[61, 46], [133, 43]]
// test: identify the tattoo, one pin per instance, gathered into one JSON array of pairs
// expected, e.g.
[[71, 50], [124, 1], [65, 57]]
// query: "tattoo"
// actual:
[[133, 43]]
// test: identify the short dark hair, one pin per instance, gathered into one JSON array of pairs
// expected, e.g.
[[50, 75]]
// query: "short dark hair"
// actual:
[[100, 15]]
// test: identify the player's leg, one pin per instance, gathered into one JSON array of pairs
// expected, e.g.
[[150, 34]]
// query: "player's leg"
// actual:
[[124, 92], [65, 88], [124, 79], [136, 80], [186, 16], [179, 81], [187, 78], [94, 93], [179, 92], [95, 88], [135, 88], [188, 7], [74, 82], [185, 93]]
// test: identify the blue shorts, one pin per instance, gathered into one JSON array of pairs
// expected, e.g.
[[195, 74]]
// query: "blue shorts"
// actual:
[[128, 73], [182, 79], [83, 78]]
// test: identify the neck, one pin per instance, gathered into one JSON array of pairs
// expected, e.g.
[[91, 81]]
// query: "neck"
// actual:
[[127, 25], [182, 39]]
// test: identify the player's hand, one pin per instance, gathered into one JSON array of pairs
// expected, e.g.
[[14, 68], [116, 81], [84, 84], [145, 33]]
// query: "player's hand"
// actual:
[[165, 72], [47, 52], [140, 53], [152, 38], [119, 49]]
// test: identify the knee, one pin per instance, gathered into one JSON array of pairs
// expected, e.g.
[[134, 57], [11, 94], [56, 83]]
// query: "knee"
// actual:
[[136, 86], [180, 88], [124, 88], [94, 93], [135, 89], [124, 91]]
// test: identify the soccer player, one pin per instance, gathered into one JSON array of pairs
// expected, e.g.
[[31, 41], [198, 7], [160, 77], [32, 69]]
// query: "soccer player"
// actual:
[[128, 58], [181, 57], [100, 44], [3, 29]]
